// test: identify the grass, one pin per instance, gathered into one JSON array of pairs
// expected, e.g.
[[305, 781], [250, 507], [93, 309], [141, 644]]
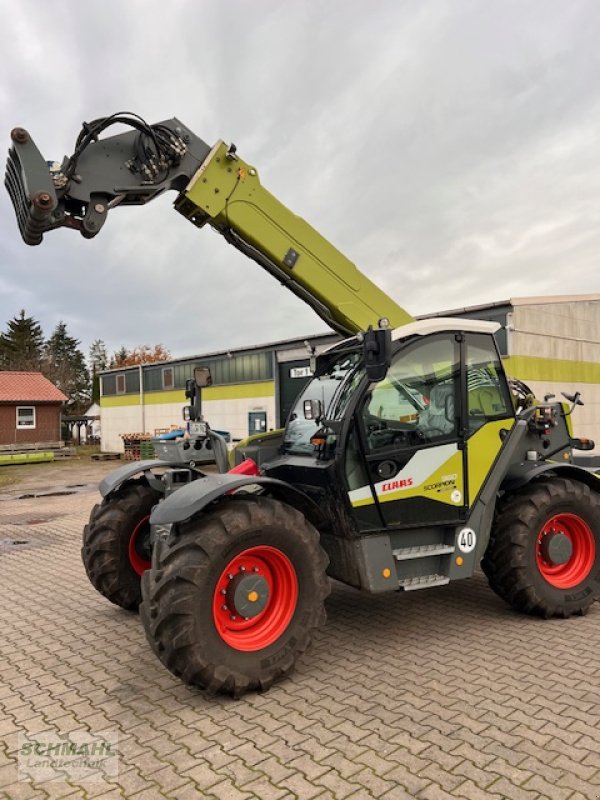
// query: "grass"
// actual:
[[6, 479], [86, 451]]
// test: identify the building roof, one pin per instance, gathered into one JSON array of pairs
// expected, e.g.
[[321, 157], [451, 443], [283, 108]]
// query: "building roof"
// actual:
[[517, 301], [556, 298], [28, 387], [283, 344], [423, 327]]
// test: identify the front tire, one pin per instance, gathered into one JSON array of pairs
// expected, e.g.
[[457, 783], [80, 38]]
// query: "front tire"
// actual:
[[116, 543], [543, 557], [233, 598]]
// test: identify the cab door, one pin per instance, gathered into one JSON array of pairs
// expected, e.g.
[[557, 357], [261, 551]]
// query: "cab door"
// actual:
[[412, 436], [489, 409]]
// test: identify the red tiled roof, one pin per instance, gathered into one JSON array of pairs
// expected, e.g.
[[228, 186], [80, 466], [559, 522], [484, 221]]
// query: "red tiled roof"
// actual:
[[28, 387]]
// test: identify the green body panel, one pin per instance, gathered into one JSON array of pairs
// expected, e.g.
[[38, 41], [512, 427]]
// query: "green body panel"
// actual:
[[227, 194], [482, 450]]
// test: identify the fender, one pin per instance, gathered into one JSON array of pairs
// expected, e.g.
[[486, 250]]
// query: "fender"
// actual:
[[118, 476], [197, 495], [591, 479]]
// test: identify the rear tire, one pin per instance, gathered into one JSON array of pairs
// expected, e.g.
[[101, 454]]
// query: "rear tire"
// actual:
[[115, 548], [519, 562], [233, 598]]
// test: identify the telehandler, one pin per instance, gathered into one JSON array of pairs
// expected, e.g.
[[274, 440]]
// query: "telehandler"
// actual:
[[409, 457]]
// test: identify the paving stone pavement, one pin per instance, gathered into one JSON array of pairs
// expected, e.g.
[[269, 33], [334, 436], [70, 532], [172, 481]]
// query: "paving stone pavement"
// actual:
[[445, 693]]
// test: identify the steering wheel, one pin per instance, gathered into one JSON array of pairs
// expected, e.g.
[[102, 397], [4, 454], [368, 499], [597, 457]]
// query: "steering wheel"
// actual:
[[375, 425], [380, 437], [429, 432], [384, 436]]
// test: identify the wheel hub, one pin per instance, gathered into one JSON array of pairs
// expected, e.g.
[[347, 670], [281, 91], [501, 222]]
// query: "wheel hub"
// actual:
[[140, 546], [565, 550], [556, 548], [255, 598], [247, 595]]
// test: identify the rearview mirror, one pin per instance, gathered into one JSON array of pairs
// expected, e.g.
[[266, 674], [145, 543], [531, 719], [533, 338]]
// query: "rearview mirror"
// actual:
[[202, 377], [377, 350]]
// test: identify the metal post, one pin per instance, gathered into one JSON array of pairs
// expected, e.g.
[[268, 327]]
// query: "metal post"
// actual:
[[142, 406]]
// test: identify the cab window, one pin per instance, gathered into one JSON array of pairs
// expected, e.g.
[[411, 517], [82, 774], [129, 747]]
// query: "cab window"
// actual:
[[487, 393], [416, 402]]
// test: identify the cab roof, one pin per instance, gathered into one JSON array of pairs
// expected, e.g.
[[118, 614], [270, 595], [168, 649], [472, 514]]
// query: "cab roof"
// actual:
[[423, 327]]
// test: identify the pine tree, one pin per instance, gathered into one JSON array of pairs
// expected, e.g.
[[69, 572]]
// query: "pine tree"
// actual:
[[64, 364], [98, 356], [98, 362], [119, 358], [21, 347]]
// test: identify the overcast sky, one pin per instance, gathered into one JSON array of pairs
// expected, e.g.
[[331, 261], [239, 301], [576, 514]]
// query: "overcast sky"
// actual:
[[451, 149]]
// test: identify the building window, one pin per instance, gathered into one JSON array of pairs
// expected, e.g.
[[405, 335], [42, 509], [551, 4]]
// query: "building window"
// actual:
[[121, 384], [26, 417], [168, 378]]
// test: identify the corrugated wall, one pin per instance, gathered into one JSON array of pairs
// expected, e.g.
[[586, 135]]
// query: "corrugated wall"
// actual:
[[555, 347], [224, 407]]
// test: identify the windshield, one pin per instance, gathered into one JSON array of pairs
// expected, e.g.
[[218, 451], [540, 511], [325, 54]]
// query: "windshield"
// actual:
[[334, 389]]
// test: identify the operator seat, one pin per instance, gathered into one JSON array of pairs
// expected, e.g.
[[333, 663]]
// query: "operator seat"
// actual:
[[433, 420]]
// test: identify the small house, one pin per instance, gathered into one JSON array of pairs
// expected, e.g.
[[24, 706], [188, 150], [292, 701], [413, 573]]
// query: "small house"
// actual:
[[30, 408]]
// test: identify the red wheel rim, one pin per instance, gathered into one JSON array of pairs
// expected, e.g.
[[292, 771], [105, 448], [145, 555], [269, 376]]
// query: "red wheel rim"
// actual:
[[583, 556], [265, 580], [138, 561]]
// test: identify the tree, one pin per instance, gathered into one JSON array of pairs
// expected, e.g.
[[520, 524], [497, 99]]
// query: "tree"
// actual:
[[98, 362], [144, 354], [64, 364], [98, 356], [21, 347], [118, 358]]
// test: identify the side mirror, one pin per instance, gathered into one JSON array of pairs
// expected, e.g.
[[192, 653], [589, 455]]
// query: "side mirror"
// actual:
[[202, 377], [313, 409], [377, 353]]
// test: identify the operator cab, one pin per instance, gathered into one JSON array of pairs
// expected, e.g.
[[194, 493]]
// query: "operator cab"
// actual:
[[413, 447]]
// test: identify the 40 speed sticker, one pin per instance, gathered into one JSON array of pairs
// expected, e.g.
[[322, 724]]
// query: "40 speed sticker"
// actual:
[[466, 540]]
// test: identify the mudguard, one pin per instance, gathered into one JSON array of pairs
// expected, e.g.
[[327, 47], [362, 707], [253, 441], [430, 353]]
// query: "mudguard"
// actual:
[[572, 471], [195, 496], [118, 476]]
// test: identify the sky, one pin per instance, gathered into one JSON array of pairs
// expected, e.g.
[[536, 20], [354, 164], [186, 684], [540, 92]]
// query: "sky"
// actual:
[[450, 149]]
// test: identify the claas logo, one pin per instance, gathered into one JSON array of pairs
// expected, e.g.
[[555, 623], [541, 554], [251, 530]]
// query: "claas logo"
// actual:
[[404, 483]]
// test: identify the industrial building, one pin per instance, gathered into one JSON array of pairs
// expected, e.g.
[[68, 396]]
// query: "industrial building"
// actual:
[[553, 345], [253, 390], [550, 343]]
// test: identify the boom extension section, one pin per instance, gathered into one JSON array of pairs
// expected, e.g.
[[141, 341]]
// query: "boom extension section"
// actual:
[[215, 187]]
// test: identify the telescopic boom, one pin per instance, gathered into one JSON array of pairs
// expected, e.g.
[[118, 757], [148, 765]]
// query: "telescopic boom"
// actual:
[[215, 187]]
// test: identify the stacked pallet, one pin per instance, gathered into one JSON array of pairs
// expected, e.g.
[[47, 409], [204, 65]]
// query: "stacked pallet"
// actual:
[[137, 446]]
